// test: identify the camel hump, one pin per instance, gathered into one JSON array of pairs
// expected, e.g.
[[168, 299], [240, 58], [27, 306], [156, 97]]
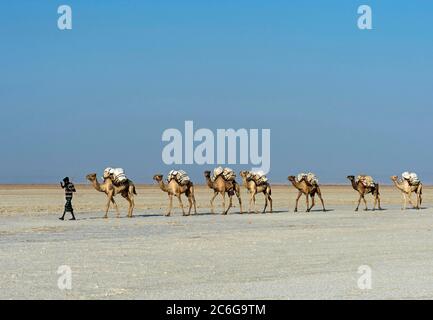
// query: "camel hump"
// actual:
[[259, 178], [366, 180]]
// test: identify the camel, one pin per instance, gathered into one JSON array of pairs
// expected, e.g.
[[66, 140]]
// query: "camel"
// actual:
[[363, 190], [173, 188], [308, 190], [127, 190], [221, 186], [406, 191], [254, 189]]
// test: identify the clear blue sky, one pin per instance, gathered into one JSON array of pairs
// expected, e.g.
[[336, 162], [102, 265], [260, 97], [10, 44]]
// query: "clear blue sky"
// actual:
[[338, 100]]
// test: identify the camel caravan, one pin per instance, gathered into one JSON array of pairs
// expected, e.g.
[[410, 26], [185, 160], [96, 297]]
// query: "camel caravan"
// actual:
[[222, 181]]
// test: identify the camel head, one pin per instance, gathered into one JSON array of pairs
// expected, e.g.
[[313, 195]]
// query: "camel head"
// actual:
[[207, 174], [158, 177], [351, 178], [291, 178], [91, 177], [394, 178], [244, 174]]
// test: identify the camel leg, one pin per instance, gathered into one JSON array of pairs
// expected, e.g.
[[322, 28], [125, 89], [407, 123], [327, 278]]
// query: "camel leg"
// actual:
[[190, 204], [192, 196], [365, 203], [297, 200], [130, 205], [313, 203], [194, 203], [404, 201], [307, 201], [238, 195], [375, 202], [409, 199], [116, 207], [266, 201], [270, 201], [321, 200], [224, 201], [254, 203], [133, 206], [419, 194], [107, 207], [359, 202], [378, 202], [170, 205], [181, 204], [252, 200], [212, 202], [131, 201], [230, 204], [411, 202]]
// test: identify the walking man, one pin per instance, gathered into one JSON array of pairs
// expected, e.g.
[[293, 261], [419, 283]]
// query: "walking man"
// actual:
[[69, 193]]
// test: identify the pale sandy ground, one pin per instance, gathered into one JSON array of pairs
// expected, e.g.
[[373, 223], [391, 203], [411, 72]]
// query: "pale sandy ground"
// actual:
[[279, 256]]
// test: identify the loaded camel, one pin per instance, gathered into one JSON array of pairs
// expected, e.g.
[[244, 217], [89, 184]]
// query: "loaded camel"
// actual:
[[222, 186], [173, 188], [126, 190], [308, 190], [254, 189], [406, 190], [363, 190]]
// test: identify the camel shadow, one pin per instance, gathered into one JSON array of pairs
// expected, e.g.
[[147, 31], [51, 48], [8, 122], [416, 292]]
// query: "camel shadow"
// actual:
[[216, 213], [121, 217], [370, 210], [145, 215], [415, 209], [311, 211], [261, 212], [324, 211]]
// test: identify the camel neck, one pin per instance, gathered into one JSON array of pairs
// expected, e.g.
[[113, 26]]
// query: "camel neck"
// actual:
[[97, 185], [398, 184], [296, 184], [162, 186], [244, 181], [209, 182]]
